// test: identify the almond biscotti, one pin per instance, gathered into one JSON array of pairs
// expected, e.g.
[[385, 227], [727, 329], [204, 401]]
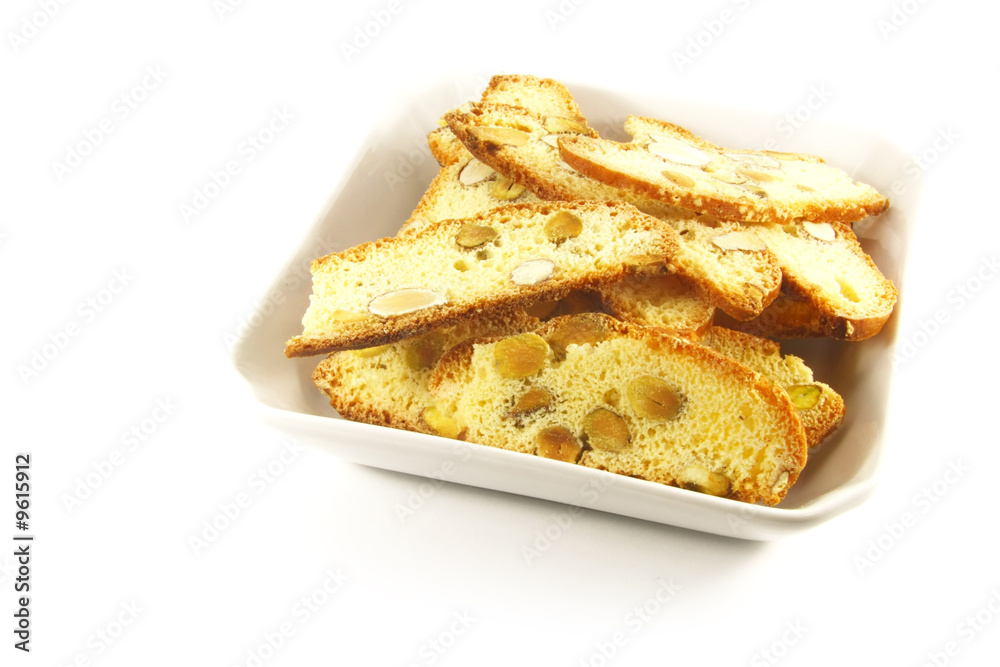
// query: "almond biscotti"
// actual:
[[737, 272], [500, 260], [589, 389], [820, 408], [844, 294], [546, 97], [463, 189], [670, 164]]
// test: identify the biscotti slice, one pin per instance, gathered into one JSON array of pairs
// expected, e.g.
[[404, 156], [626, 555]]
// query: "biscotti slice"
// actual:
[[627, 399], [543, 96], [826, 265], [463, 189], [665, 301], [670, 164], [500, 260], [791, 315], [736, 271], [387, 385], [821, 409]]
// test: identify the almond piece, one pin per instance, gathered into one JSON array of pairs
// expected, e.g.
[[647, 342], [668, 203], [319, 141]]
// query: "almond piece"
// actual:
[[679, 179], [678, 151], [406, 300], [474, 172], [505, 136], [560, 125], [823, 231], [738, 240], [755, 159], [532, 272]]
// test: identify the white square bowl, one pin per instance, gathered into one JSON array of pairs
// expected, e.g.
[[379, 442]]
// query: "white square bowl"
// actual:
[[383, 187]]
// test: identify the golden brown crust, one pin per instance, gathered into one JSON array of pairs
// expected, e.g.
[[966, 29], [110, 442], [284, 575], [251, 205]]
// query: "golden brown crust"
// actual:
[[628, 166], [371, 331], [714, 367]]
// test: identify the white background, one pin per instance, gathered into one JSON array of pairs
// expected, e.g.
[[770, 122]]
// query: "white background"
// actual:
[[115, 578]]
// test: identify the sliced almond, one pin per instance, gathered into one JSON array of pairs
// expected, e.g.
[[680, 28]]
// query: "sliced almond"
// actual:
[[755, 159], [532, 272], [551, 140], [560, 125], [760, 176], [824, 231], [474, 172], [678, 151], [679, 179], [505, 136], [738, 240], [406, 300]]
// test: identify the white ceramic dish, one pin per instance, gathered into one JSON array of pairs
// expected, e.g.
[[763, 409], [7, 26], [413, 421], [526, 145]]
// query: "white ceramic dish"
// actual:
[[387, 179]]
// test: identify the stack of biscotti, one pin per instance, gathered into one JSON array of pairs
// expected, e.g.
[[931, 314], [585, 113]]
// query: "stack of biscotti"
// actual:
[[561, 295]]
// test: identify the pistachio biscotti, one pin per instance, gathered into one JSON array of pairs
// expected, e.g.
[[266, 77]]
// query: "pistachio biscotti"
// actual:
[[820, 408], [670, 164], [630, 400], [387, 385], [498, 261]]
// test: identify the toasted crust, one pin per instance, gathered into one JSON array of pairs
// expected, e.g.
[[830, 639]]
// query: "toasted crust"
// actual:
[[840, 291], [821, 411], [665, 301], [749, 460], [711, 180], [615, 239], [448, 197], [544, 96], [388, 385], [741, 282]]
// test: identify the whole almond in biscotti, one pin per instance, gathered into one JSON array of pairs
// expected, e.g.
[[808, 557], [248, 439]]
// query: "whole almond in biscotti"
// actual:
[[633, 401], [670, 164], [497, 261], [736, 274]]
